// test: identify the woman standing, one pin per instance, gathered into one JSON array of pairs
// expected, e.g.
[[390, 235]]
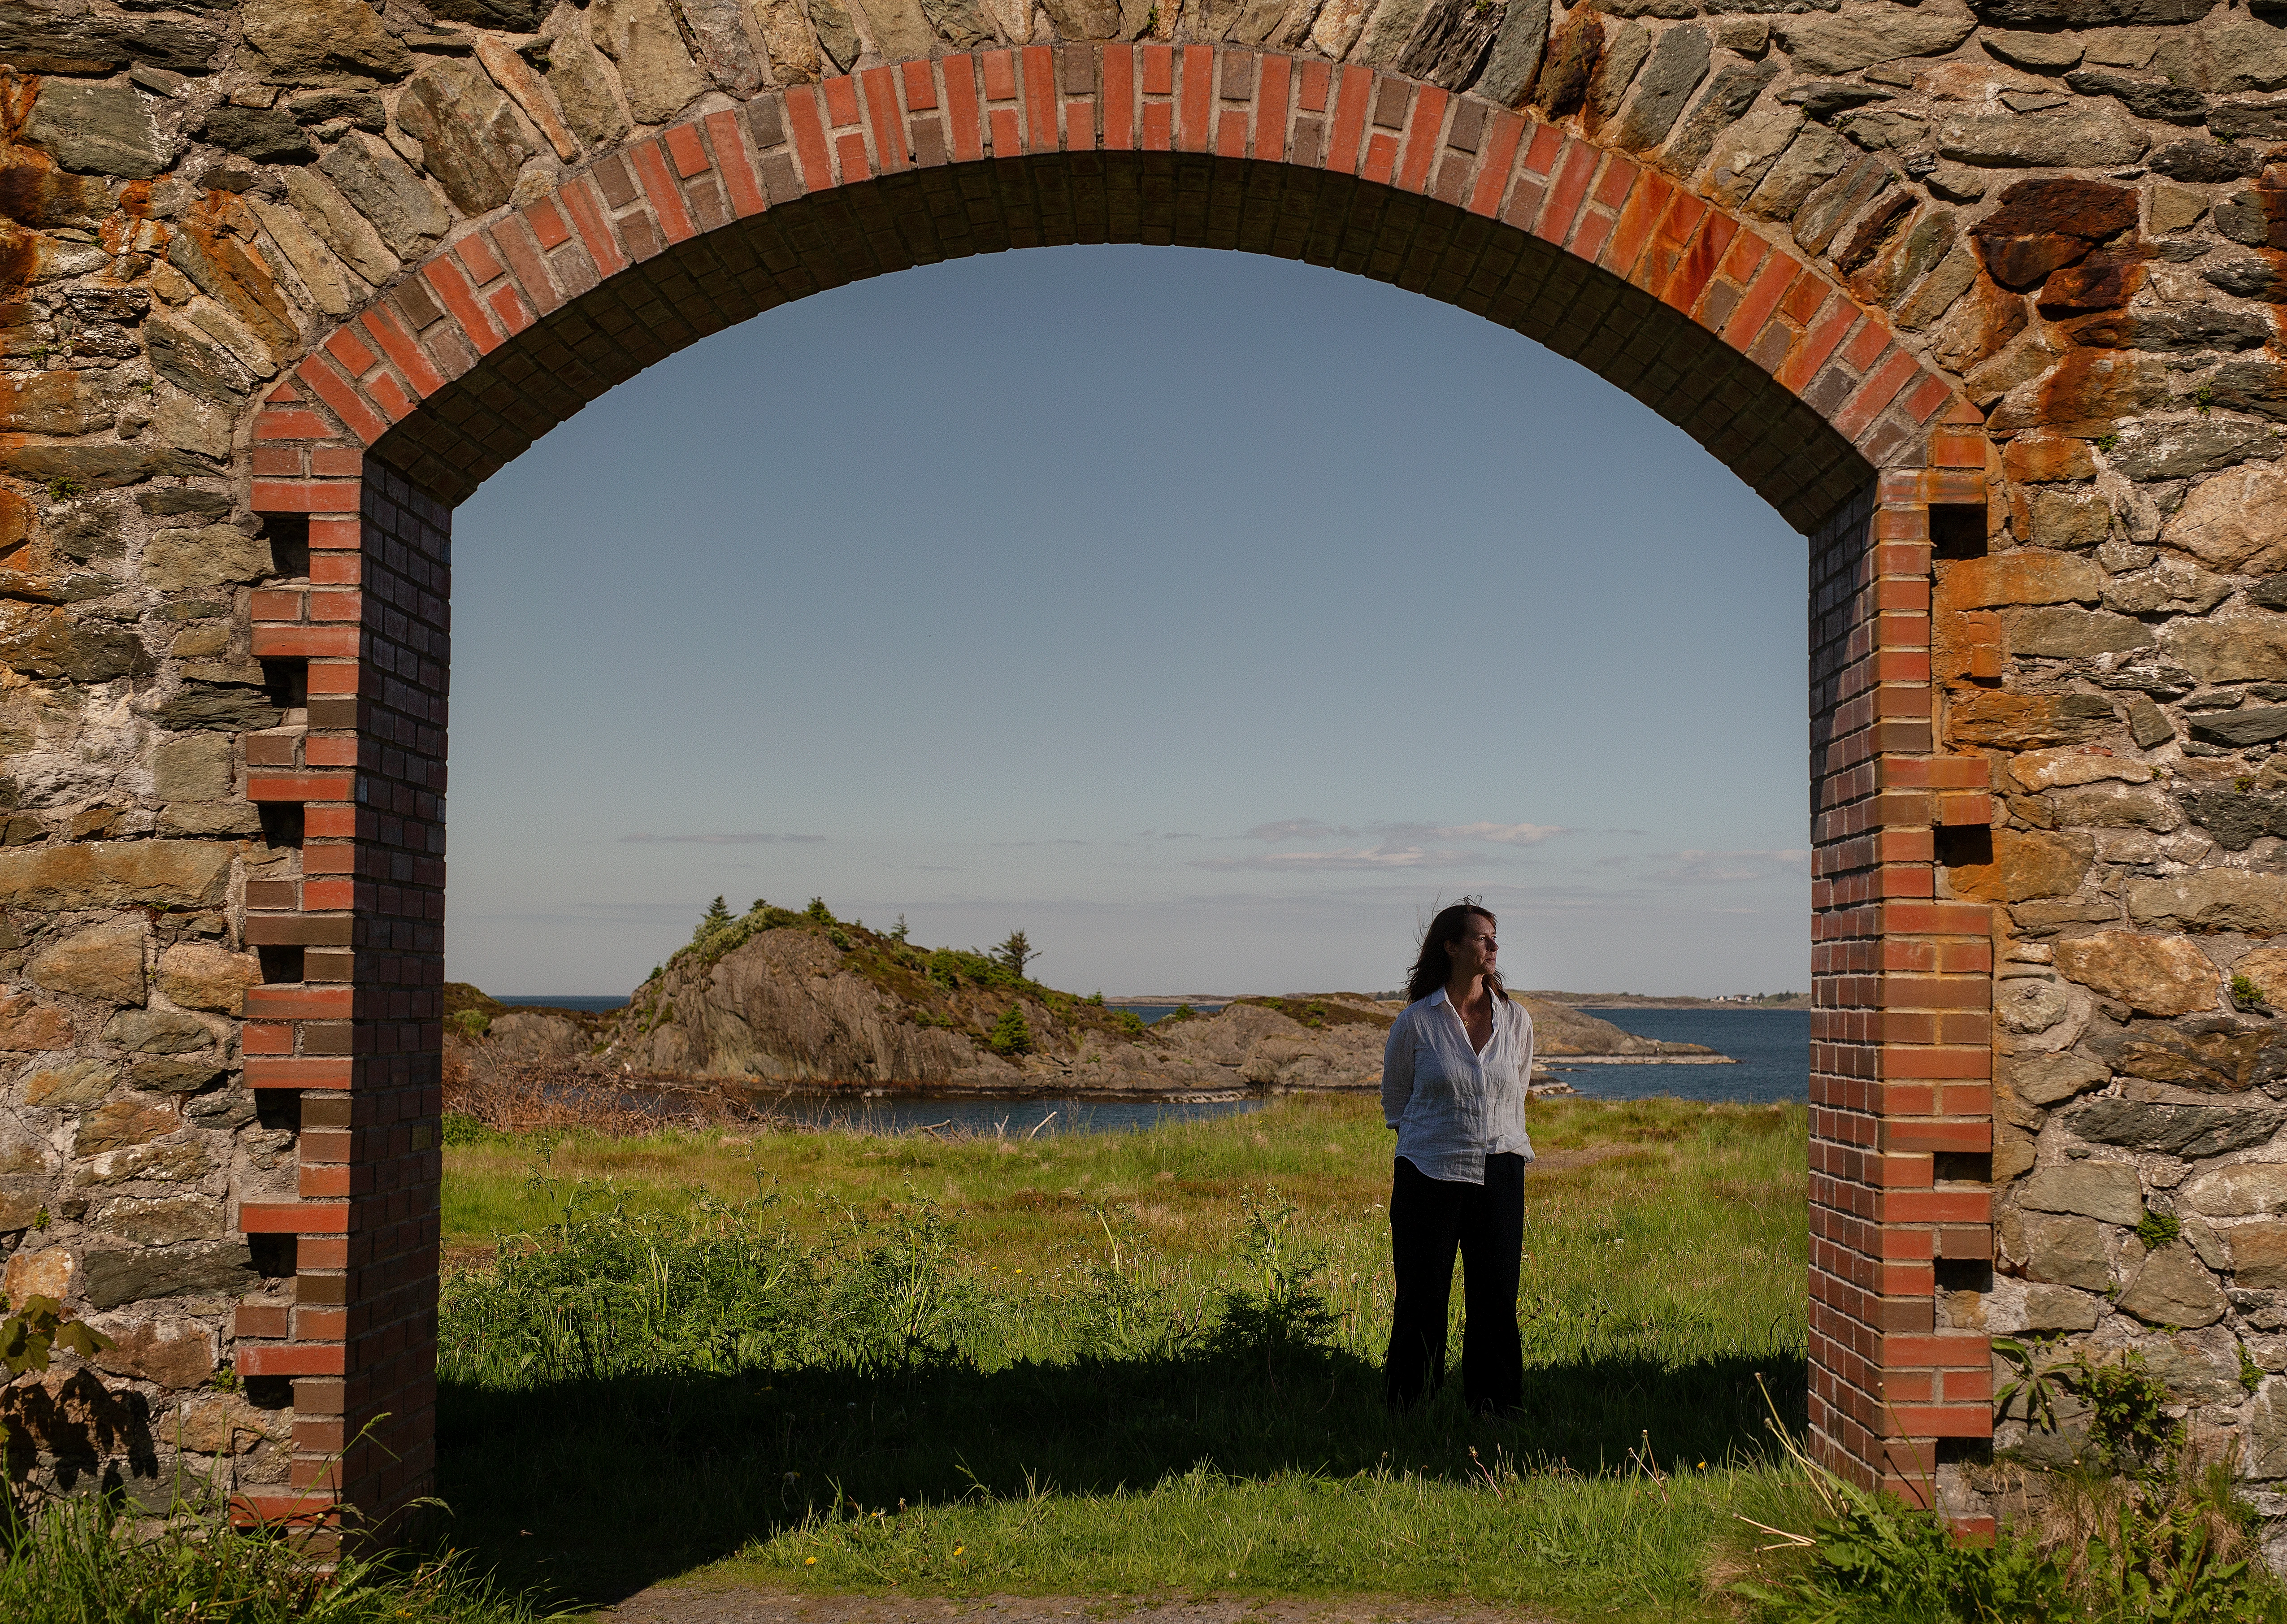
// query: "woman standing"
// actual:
[[1452, 1086]]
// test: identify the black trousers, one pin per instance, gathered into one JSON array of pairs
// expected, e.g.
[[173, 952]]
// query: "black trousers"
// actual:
[[1428, 1218]]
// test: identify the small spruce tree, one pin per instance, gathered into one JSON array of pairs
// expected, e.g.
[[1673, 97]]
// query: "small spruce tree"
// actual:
[[1011, 1034], [716, 917], [1016, 952]]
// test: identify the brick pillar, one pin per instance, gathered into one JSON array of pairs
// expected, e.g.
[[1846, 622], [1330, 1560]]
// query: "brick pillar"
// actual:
[[1900, 1104], [345, 1037]]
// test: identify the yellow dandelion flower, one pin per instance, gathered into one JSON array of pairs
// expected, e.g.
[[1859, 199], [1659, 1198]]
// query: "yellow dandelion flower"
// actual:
[[810, 1561]]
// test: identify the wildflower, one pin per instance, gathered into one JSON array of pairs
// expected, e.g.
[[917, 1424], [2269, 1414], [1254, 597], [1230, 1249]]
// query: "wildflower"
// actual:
[[959, 1548], [810, 1561]]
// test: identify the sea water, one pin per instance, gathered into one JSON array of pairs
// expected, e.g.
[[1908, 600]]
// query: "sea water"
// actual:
[[1772, 1048]]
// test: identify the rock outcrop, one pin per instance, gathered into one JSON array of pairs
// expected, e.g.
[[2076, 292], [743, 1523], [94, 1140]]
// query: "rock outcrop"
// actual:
[[787, 1001]]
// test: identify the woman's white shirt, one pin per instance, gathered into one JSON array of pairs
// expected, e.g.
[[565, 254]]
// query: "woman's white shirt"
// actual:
[[1451, 1105]]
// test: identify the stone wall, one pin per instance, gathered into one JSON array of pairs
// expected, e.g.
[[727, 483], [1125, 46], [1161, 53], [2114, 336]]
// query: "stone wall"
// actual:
[[1978, 296]]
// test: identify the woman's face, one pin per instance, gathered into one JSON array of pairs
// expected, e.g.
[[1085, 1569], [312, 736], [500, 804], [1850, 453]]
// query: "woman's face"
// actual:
[[1476, 950]]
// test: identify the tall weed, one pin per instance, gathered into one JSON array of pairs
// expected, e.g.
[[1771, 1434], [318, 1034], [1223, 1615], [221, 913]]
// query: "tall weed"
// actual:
[[87, 1559]]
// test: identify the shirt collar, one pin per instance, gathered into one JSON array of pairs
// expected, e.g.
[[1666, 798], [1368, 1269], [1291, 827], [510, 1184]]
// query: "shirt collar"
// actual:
[[1439, 996]]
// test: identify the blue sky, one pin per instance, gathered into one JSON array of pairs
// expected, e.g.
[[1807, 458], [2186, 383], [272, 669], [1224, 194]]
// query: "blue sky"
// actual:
[[1207, 617]]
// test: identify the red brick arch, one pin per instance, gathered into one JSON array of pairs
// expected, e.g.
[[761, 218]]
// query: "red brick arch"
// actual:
[[1753, 348]]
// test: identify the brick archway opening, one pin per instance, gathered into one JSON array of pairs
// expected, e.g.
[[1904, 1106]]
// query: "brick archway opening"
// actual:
[[360, 455]]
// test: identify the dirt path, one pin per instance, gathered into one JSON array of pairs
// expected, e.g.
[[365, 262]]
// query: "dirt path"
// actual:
[[695, 1605]]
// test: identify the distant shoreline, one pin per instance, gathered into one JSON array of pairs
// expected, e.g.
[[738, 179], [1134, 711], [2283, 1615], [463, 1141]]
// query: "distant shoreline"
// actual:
[[1207, 1003]]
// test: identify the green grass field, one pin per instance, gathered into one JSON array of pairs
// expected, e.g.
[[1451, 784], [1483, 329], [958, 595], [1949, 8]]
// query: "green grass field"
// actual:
[[1112, 1364]]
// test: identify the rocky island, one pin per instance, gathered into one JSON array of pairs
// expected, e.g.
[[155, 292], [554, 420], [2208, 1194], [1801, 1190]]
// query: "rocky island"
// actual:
[[778, 999]]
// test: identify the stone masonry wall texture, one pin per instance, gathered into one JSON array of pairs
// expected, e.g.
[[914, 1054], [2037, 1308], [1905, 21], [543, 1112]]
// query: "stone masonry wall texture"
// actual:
[[1981, 297]]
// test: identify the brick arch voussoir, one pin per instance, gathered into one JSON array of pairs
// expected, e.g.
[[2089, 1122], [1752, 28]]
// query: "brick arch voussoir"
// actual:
[[1756, 351]]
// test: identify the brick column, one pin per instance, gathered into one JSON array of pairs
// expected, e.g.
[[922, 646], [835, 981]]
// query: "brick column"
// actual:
[[1900, 1124], [345, 1036]]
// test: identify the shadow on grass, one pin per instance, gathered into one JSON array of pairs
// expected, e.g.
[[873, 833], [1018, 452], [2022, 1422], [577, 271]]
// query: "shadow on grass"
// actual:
[[590, 1491]]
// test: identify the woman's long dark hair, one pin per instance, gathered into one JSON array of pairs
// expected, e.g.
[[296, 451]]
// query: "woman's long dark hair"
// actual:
[[1435, 965]]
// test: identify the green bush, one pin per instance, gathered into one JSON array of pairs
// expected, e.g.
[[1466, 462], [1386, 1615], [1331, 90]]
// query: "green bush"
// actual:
[[1129, 1022], [462, 1129], [1011, 1034]]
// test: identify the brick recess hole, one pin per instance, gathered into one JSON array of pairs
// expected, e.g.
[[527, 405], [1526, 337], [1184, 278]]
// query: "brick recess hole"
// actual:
[[1962, 1167], [1965, 845], [1964, 1274], [280, 966], [290, 545], [287, 682], [269, 1392], [281, 830], [1958, 529], [277, 1108], [273, 1256]]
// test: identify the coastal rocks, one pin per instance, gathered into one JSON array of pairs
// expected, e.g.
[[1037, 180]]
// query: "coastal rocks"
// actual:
[[526, 1034]]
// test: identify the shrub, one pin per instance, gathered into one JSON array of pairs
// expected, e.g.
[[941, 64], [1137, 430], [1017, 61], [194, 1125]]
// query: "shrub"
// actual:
[[1129, 1022], [460, 1127], [1011, 1034], [716, 918]]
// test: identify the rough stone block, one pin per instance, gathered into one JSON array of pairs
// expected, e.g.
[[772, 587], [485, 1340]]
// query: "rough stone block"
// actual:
[[104, 963], [2109, 1192]]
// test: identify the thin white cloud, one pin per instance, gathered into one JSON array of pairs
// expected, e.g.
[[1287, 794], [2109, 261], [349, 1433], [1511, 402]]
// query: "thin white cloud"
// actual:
[[1726, 867], [716, 840], [1296, 828], [1357, 858], [1394, 834], [1500, 833]]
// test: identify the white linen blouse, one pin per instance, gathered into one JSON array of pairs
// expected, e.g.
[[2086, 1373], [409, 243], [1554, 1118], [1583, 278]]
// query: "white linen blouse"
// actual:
[[1451, 1104]]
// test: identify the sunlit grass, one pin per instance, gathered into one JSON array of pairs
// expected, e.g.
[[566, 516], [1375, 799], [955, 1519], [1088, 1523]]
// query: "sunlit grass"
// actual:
[[1054, 1445]]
